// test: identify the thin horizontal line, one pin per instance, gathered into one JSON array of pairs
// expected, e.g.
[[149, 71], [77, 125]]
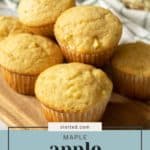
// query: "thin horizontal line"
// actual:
[[26, 127]]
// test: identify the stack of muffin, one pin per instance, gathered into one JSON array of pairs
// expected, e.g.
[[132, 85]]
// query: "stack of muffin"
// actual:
[[53, 50]]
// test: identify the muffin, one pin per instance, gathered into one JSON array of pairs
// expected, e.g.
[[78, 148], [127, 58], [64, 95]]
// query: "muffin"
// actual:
[[88, 34], [10, 25], [138, 4], [41, 15], [23, 57], [73, 92], [131, 70]]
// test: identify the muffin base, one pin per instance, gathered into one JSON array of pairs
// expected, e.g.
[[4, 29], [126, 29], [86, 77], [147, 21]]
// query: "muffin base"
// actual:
[[92, 115], [23, 84], [46, 30], [134, 86], [98, 59]]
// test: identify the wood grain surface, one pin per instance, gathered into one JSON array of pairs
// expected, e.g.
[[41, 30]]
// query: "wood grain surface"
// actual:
[[20, 110], [125, 113]]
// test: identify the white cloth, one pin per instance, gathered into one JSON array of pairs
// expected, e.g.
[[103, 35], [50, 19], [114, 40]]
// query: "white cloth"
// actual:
[[6, 10], [136, 22]]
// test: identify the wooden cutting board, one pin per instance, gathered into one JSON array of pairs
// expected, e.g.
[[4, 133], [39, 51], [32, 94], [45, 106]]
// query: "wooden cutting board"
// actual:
[[20, 110]]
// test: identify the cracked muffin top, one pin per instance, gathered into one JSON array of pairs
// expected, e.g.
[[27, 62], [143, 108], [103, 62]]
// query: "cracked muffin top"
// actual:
[[28, 54], [42, 12], [73, 87], [88, 29]]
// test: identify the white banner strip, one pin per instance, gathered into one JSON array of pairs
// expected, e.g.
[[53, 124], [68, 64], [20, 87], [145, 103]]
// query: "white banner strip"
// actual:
[[74, 126]]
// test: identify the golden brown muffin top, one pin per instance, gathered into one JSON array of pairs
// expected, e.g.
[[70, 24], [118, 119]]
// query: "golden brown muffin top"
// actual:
[[88, 29], [133, 58], [73, 87], [9, 25], [28, 54], [42, 12]]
